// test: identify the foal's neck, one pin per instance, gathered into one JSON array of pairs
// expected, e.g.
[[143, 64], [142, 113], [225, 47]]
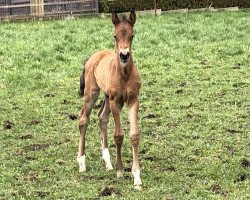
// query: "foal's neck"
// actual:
[[124, 68]]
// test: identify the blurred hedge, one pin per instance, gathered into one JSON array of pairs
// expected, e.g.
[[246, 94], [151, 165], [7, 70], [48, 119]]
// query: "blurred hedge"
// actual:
[[128, 5], [124, 5]]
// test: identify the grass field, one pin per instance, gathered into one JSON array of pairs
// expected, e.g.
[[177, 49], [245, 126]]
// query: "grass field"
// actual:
[[194, 113]]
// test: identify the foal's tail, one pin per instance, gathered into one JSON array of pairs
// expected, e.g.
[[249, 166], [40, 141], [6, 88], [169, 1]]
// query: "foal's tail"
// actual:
[[82, 81]]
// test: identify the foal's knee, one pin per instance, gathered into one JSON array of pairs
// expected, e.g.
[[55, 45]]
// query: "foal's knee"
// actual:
[[135, 138], [118, 139], [83, 121], [103, 120]]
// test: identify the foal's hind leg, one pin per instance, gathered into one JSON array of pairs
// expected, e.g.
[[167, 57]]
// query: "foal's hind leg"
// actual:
[[103, 123], [90, 98]]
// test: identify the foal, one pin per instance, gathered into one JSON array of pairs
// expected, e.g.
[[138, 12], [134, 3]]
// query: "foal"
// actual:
[[117, 76]]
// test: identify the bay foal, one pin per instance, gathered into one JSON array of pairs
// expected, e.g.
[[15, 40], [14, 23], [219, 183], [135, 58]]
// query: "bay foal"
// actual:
[[117, 76]]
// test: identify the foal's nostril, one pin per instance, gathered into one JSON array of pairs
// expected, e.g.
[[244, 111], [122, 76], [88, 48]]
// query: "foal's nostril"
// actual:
[[124, 57]]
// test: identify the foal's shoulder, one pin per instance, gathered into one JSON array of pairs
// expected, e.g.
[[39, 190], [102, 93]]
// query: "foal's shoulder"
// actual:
[[135, 72], [135, 77]]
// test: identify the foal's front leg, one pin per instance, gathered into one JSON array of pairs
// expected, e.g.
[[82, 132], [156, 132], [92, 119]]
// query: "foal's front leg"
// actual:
[[115, 108], [89, 100], [133, 107]]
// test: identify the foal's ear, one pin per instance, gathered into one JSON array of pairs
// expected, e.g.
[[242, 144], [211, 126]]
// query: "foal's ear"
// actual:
[[132, 18], [115, 18]]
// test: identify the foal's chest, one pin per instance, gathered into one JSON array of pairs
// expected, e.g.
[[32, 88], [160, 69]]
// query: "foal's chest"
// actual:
[[124, 93]]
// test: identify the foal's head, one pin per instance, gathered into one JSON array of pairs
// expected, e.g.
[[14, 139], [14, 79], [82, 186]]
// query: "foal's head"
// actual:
[[124, 36]]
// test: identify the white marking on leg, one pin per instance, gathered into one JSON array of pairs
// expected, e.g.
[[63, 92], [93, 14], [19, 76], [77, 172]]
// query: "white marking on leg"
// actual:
[[81, 161], [137, 179], [119, 174], [106, 158]]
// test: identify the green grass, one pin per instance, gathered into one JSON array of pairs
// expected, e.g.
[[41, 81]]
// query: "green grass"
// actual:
[[194, 113]]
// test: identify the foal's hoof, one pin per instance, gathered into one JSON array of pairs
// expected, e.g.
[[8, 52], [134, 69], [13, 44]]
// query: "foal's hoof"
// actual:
[[138, 187], [81, 162], [137, 183], [137, 179], [109, 167], [106, 159], [119, 174]]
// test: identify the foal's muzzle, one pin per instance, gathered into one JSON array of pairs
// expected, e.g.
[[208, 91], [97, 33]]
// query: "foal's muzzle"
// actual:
[[124, 56]]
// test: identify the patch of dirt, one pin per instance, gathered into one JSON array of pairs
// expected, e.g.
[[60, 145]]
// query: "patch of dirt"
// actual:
[[143, 151], [127, 169], [72, 116], [66, 140], [182, 84], [65, 101], [190, 105], [126, 176], [8, 124], [36, 147], [170, 198], [195, 137], [241, 177], [30, 158], [197, 152], [16, 108], [232, 131], [217, 189], [240, 84], [25, 137], [222, 94], [237, 66], [150, 116], [60, 162], [14, 194], [191, 175], [189, 116], [179, 91], [42, 194], [150, 158], [108, 191], [33, 176], [168, 169], [90, 177], [48, 95], [46, 169], [172, 125], [203, 62], [19, 152], [33, 122], [231, 151], [245, 163]]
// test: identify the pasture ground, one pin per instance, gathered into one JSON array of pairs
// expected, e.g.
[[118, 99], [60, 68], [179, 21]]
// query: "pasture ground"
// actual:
[[194, 113]]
